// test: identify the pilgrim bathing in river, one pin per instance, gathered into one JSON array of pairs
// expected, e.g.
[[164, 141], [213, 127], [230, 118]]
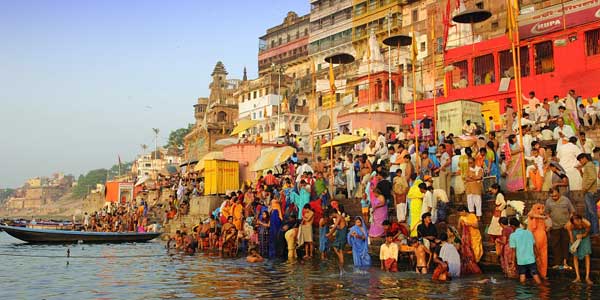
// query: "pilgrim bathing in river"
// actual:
[[400, 212]]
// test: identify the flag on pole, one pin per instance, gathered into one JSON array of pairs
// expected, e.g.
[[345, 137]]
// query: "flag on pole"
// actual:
[[414, 45], [331, 79]]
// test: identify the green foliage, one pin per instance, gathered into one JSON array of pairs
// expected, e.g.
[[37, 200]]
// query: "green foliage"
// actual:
[[88, 182], [176, 136], [5, 194]]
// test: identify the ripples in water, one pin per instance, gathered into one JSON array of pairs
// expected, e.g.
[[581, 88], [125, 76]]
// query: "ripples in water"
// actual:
[[148, 271]]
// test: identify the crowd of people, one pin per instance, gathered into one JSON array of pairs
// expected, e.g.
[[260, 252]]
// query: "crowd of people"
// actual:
[[120, 218], [403, 185]]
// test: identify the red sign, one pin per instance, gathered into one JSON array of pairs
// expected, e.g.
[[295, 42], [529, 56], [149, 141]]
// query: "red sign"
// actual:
[[558, 17]]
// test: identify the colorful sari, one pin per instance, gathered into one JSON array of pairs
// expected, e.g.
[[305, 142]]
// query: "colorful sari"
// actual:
[[507, 254], [537, 226], [263, 240], [274, 228], [432, 151], [415, 204], [514, 169], [360, 246], [492, 159], [468, 260], [379, 215]]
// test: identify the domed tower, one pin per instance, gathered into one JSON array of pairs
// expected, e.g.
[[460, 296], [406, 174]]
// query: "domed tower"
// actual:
[[219, 84]]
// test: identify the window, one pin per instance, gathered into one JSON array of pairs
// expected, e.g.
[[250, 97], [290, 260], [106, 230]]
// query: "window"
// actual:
[[592, 42], [297, 127], [483, 70], [494, 25], [422, 47], [544, 57], [507, 69], [148, 165], [460, 75], [260, 114], [479, 5], [415, 15], [253, 116], [221, 116]]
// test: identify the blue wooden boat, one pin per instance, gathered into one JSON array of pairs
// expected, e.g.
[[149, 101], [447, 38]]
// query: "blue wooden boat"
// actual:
[[32, 235]]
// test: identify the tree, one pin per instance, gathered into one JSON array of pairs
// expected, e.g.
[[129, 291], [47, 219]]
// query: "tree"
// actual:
[[88, 182], [5, 194], [176, 136]]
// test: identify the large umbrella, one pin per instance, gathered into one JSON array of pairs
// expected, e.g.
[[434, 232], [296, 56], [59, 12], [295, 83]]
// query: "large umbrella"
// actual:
[[243, 125], [208, 156], [343, 140], [273, 158]]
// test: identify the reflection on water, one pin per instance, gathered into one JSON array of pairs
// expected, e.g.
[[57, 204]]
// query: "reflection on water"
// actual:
[[155, 274]]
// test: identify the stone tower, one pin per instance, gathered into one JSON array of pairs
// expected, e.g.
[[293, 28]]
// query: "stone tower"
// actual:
[[218, 85]]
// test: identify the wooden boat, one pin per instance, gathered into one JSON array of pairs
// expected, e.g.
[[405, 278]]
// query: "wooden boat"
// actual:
[[32, 235]]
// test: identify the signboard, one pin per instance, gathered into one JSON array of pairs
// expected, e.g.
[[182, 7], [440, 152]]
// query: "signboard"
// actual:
[[558, 17]]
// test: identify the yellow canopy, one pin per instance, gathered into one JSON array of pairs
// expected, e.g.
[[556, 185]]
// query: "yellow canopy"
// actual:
[[209, 156], [343, 140], [243, 125], [273, 158]]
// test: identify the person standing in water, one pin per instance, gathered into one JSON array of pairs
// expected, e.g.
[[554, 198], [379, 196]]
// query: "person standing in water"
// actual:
[[340, 230]]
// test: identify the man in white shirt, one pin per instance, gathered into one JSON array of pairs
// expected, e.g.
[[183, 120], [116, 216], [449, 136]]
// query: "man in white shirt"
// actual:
[[381, 140], [541, 116], [553, 107], [429, 203], [445, 172], [449, 254], [401, 136], [567, 158], [562, 133], [587, 145], [388, 254], [532, 100], [469, 128], [305, 167], [527, 139], [591, 113]]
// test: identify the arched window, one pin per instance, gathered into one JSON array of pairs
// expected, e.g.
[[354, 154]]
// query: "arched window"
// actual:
[[221, 116]]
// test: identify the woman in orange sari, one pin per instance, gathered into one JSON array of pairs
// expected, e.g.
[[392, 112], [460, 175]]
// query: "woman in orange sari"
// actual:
[[471, 248], [237, 211], [536, 223]]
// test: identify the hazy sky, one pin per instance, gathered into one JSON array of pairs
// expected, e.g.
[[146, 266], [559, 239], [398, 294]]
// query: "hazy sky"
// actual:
[[82, 81]]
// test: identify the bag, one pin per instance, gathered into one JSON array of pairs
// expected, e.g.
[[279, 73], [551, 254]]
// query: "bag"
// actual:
[[574, 246], [510, 211]]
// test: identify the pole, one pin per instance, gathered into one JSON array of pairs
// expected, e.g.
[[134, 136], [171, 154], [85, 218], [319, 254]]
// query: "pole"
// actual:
[[433, 71], [312, 108], [279, 102], [414, 92], [390, 61], [515, 49]]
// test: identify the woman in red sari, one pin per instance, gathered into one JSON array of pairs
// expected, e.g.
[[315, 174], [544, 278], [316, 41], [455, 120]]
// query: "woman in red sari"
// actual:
[[507, 254]]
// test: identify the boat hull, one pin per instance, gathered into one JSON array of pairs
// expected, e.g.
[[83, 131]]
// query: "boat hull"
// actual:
[[32, 235]]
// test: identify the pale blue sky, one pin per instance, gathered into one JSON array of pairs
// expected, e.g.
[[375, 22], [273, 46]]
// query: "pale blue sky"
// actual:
[[76, 77]]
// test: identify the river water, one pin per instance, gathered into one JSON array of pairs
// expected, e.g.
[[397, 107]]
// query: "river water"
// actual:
[[148, 271]]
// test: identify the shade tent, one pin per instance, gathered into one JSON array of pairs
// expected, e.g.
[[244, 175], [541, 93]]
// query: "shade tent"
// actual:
[[343, 139], [243, 125], [209, 156], [273, 158]]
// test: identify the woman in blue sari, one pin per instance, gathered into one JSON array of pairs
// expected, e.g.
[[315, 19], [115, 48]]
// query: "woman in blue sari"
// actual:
[[358, 239], [432, 153], [300, 199], [263, 234], [274, 227]]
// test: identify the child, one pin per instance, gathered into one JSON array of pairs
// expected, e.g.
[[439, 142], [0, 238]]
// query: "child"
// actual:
[[365, 204], [522, 241], [254, 257], [441, 271], [421, 253], [535, 172]]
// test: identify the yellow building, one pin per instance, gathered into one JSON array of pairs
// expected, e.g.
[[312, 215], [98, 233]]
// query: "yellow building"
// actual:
[[377, 16]]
